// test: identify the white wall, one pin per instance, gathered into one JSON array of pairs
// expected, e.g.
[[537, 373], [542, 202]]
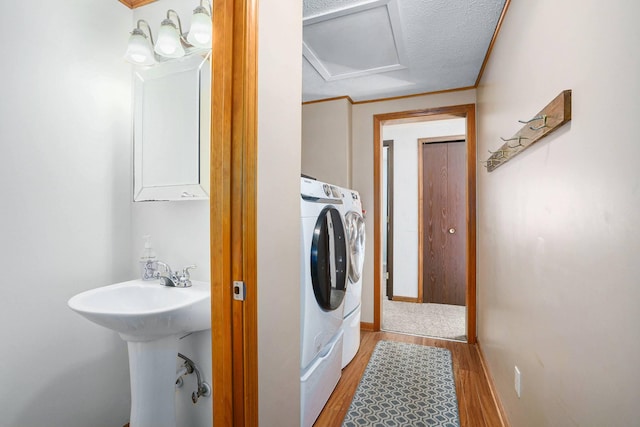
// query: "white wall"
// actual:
[[406, 152], [180, 236], [326, 141], [362, 165], [65, 213], [558, 235], [279, 132]]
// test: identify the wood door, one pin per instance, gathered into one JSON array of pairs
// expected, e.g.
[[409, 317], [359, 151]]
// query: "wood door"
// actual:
[[444, 219]]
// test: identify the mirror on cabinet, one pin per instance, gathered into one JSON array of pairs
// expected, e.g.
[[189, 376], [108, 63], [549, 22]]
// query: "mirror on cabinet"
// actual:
[[171, 137]]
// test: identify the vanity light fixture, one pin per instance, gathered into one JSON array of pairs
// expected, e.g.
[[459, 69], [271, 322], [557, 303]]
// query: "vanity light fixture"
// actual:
[[201, 26], [169, 43], [139, 49], [172, 42]]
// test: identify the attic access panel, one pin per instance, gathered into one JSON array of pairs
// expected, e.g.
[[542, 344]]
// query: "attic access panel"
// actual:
[[356, 41]]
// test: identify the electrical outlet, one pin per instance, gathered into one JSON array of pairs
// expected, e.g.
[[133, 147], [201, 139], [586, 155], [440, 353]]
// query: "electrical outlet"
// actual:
[[517, 380]]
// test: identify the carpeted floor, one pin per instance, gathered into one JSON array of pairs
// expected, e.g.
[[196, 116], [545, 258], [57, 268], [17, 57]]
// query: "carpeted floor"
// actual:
[[430, 320], [405, 385]]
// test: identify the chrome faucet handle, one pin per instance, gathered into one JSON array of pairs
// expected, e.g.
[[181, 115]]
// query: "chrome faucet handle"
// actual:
[[185, 271], [184, 280]]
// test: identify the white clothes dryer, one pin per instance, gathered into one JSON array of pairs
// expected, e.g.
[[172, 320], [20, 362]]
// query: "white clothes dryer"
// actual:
[[354, 222], [324, 270]]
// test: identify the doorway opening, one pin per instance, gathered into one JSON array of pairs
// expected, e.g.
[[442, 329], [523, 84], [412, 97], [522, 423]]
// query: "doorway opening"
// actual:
[[424, 236]]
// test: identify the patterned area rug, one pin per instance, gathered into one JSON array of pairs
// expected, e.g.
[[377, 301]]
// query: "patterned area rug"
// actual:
[[405, 385]]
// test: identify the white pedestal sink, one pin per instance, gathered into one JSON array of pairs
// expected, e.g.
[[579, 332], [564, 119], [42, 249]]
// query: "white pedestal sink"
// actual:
[[151, 318]]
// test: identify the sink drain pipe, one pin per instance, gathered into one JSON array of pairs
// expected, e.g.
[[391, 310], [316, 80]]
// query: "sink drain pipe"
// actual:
[[190, 367]]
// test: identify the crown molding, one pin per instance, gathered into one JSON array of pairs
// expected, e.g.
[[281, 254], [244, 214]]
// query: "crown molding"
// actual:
[[132, 4]]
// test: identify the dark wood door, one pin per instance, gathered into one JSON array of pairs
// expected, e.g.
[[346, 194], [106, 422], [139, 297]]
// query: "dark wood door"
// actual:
[[444, 222]]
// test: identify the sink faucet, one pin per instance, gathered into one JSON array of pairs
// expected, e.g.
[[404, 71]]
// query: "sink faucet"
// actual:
[[174, 279]]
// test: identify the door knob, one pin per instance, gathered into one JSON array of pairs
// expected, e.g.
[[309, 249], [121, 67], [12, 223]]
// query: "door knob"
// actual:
[[452, 230]]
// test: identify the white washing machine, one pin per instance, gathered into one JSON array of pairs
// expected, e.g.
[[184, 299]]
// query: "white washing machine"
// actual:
[[354, 222], [324, 265]]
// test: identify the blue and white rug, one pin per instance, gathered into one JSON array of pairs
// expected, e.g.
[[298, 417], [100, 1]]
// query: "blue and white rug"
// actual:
[[405, 385]]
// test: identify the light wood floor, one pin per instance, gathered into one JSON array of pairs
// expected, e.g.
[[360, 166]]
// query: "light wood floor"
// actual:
[[475, 401]]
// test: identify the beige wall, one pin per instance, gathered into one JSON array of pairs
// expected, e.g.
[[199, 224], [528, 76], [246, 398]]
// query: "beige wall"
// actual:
[[362, 165], [279, 117], [326, 141], [558, 234]]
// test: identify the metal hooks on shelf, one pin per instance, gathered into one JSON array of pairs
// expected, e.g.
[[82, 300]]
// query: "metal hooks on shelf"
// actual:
[[488, 162], [551, 117], [542, 117], [503, 153], [519, 138], [500, 153]]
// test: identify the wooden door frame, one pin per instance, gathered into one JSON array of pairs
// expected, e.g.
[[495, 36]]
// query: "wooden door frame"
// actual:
[[421, 141], [232, 205], [469, 112]]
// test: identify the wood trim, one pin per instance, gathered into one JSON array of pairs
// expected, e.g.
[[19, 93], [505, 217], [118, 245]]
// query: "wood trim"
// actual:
[[238, 136], [233, 212], [249, 217], [468, 111], [504, 420], [377, 224], [420, 224], [132, 4], [393, 98], [367, 326], [493, 41], [348, 98], [220, 213], [471, 225], [406, 299], [424, 115]]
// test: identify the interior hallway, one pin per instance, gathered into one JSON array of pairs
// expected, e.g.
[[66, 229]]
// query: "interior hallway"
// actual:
[[476, 405]]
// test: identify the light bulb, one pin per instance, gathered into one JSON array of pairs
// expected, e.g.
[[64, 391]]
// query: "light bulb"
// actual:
[[200, 32], [139, 49], [168, 43]]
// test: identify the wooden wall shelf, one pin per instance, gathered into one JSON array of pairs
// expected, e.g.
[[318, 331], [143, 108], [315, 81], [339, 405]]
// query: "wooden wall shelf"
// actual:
[[554, 115]]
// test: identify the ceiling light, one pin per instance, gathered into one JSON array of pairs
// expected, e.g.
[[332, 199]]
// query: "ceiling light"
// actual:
[[169, 42], [139, 49], [201, 28]]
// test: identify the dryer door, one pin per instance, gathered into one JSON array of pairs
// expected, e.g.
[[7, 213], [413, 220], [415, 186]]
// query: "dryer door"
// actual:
[[329, 259], [355, 235]]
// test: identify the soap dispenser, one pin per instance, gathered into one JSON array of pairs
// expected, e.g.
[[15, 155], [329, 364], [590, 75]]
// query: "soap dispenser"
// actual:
[[148, 266]]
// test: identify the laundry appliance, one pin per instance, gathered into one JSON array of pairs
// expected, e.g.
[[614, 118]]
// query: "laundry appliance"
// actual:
[[354, 222], [324, 265]]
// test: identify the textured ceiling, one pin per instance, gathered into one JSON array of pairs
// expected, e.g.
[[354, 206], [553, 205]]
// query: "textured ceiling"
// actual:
[[443, 45]]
